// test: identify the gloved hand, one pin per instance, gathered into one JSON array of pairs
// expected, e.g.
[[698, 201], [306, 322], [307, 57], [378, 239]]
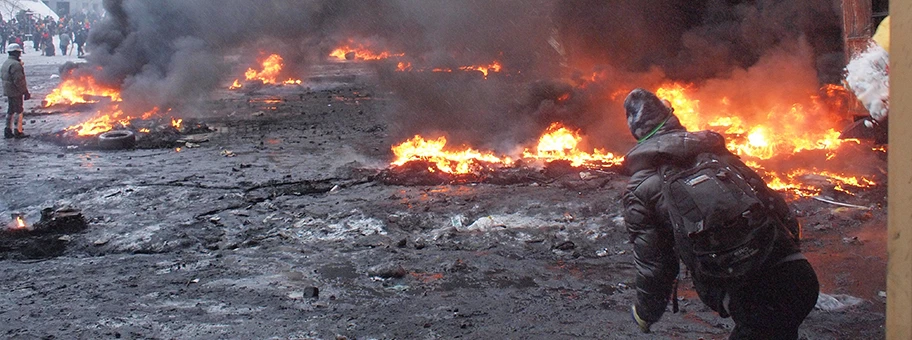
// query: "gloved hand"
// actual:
[[28, 96], [643, 324]]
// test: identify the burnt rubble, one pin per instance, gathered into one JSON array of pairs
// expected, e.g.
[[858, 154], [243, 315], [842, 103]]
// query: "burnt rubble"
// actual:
[[418, 172], [146, 134], [43, 239]]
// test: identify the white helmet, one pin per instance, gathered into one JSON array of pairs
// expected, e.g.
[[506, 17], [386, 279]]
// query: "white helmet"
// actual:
[[13, 47]]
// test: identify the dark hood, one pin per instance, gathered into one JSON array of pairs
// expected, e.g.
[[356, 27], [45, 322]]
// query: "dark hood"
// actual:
[[646, 112], [672, 147]]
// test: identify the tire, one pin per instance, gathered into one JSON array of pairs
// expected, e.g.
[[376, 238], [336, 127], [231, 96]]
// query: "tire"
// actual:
[[116, 140]]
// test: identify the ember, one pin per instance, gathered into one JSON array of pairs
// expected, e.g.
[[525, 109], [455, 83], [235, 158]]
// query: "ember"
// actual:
[[484, 69]]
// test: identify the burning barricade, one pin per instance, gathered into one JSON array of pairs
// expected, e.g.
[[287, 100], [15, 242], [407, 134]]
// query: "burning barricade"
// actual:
[[794, 147], [110, 127], [421, 161]]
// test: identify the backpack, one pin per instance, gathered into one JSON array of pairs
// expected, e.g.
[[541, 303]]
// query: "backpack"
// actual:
[[722, 227]]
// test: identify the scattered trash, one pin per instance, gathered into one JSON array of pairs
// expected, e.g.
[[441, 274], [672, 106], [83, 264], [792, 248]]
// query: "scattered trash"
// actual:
[[258, 113], [191, 145], [621, 285], [852, 240], [618, 221], [830, 200], [882, 294], [387, 271], [457, 221], [601, 252], [566, 245], [311, 292], [836, 302], [335, 188], [585, 175], [228, 153]]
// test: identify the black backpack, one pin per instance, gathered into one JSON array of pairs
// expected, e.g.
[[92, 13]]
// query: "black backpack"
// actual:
[[722, 227]]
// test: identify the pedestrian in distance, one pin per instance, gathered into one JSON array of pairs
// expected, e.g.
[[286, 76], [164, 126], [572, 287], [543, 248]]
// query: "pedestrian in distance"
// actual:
[[65, 40], [690, 200], [12, 73]]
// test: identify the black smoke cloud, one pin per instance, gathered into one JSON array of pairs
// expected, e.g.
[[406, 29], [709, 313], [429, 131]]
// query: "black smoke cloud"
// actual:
[[171, 52]]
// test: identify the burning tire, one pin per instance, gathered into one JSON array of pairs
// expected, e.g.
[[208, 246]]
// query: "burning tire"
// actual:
[[116, 140]]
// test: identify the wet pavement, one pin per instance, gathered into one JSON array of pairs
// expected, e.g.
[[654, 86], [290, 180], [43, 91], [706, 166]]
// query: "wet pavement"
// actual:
[[228, 239]]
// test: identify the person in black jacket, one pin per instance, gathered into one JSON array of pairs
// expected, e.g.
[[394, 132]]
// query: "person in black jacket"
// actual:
[[770, 303]]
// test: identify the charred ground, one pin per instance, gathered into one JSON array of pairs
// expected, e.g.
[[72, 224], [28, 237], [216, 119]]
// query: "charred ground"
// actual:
[[230, 239]]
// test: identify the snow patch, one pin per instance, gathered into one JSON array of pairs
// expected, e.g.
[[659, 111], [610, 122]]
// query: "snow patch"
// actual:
[[510, 221], [353, 225]]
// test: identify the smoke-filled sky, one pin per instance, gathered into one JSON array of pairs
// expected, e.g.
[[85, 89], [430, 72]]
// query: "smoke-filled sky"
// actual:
[[171, 52]]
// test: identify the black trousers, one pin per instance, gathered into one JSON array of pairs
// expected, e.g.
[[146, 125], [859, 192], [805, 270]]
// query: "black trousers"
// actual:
[[773, 307]]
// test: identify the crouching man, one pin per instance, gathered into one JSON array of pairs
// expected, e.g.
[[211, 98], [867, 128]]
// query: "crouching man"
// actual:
[[689, 198]]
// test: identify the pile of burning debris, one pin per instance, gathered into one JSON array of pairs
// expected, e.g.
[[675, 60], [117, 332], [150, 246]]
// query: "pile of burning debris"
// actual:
[[422, 172], [43, 239], [133, 134]]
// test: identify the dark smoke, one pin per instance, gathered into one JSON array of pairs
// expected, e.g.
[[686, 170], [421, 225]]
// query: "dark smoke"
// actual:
[[172, 52]]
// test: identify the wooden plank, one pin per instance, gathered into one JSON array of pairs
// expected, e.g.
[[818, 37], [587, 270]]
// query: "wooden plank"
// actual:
[[857, 25], [899, 197]]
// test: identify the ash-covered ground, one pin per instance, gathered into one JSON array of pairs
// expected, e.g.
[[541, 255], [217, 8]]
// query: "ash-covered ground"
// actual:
[[276, 227]]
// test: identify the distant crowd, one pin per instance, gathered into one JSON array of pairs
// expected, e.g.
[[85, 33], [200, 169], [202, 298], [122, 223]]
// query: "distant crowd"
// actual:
[[69, 30]]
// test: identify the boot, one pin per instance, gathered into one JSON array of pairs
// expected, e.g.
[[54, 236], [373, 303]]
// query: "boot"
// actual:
[[8, 133], [20, 134]]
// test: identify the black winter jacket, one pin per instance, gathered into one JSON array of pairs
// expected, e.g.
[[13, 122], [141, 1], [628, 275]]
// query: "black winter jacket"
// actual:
[[650, 229]]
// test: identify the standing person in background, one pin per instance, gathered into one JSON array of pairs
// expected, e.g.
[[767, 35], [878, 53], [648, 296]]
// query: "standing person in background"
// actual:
[[80, 40], [64, 41], [15, 89]]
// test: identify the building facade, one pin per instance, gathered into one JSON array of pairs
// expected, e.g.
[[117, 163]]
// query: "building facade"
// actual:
[[69, 7]]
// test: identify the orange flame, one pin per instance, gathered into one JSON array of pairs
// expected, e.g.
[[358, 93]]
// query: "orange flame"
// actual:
[[772, 133], [271, 69], [779, 131], [360, 52], [484, 69], [20, 222], [106, 122], [462, 161], [80, 90], [558, 143], [176, 123], [493, 67]]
